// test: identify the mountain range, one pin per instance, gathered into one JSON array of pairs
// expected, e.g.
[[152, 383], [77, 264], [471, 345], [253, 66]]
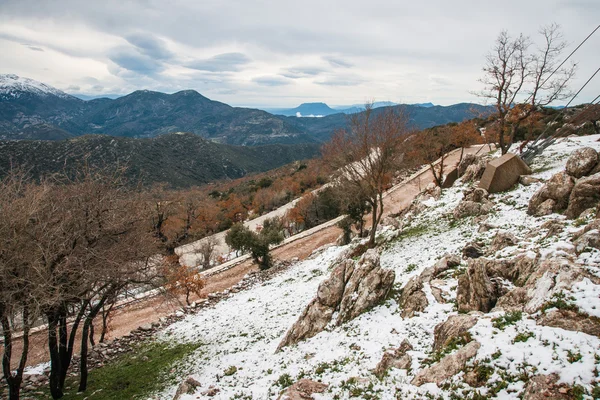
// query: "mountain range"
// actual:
[[322, 109], [33, 110]]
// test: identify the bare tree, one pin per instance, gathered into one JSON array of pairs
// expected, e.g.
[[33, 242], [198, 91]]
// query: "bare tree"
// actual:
[[367, 154], [519, 80], [207, 250]]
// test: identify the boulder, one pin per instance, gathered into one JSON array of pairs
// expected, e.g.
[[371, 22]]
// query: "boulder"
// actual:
[[472, 250], [502, 240], [474, 171], [448, 366], [476, 290], [188, 386], [582, 162], [527, 180], [303, 390], [466, 162], [454, 326], [585, 194], [502, 173], [396, 358], [352, 288], [558, 189], [590, 239], [413, 298], [571, 321], [368, 285], [475, 202], [546, 387]]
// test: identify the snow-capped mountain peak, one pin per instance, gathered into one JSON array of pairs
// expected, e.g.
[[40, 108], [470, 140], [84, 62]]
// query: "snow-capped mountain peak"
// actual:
[[13, 86]]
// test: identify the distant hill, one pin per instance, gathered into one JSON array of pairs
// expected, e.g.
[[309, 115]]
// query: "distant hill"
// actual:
[[33, 110], [179, 159], [305, 110], [419, 118]]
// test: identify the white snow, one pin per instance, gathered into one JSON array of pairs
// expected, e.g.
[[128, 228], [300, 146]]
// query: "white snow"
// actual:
[[245, 329], [13, 86]]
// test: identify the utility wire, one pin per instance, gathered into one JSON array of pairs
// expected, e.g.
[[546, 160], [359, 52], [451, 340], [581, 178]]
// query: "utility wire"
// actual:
[[566, 59], [535, 149]]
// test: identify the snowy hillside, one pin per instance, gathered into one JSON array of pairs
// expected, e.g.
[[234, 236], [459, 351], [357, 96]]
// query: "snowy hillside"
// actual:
[[240, 334], [13, 87]]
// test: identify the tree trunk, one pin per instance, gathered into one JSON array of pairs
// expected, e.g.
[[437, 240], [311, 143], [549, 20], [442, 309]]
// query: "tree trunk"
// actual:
[[55, 367], [83, 365], [92, 341]]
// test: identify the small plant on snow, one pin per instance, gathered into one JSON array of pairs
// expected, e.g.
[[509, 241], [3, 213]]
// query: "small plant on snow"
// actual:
[[523, 337], [507, 319]]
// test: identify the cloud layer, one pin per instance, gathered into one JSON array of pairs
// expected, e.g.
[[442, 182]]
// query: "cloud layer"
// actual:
[[278, 53]]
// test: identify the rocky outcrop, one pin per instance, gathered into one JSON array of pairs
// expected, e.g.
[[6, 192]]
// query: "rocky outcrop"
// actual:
[[396, 358], [582, 162], [553, 196], [352, 288], [589, 240], [475, 202], [546, 387], [477, 290], [585, 194], [571, 321], [502, 240], [473, 250], [466, 162], [550, 277], [448, 366], [454, 326], [303, 390], [413, 298]]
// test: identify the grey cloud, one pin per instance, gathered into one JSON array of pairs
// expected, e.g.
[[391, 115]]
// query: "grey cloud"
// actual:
[[271, 81], [340, 81], [150, 45], [302, 72], [34, 48], [73, 88], [133, 61], [337, 62], [221, 63]]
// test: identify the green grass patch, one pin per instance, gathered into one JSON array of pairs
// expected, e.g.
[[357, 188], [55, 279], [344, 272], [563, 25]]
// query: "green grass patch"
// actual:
[[507, 319], [560, 301], [135, 375], [523, 337]]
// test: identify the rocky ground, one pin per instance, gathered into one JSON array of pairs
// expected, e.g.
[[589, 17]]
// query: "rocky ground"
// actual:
[[467, 295]]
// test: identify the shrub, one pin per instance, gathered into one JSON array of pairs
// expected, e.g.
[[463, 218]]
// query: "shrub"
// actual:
[[507, 319]]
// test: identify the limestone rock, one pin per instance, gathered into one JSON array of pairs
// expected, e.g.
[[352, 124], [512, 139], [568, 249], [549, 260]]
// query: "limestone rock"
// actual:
[[585, 194], [590, 239], [475, 202], [582, 162], [303, 390], [502, 240], [188, 386], [476, 290], [368, 285], [558, 189], [545, 387], [352, 288], [527, 180], [413, 299], [448, 366], [397, 358], [454, 326], [571, 321], [468, 160], [474, 171], [472, 250]]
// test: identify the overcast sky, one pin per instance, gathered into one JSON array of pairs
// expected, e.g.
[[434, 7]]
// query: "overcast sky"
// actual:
[[277, 52]]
